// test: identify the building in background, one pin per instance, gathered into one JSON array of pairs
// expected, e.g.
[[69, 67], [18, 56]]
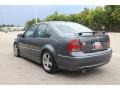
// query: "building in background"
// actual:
[[10, 29]]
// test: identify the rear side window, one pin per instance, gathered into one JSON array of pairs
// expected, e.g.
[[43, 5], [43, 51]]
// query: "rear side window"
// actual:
[[65, 28], [48, 32], [43, 31], [70, 27]]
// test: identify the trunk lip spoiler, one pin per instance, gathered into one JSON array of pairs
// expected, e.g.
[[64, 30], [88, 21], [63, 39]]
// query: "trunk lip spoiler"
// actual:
[[94, 32]]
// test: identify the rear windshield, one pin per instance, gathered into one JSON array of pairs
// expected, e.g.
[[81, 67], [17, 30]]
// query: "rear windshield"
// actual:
[[69, 27]]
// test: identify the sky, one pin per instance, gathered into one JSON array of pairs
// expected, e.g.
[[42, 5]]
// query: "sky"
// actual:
[[19, 14]]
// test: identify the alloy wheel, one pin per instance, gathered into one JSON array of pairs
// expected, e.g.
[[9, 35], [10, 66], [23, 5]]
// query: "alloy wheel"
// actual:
[[47, 63]]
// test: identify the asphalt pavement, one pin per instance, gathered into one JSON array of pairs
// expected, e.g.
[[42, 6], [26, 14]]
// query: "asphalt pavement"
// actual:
[[14, 70]]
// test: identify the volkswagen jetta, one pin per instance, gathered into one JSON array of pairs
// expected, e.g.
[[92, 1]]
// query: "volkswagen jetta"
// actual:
[[63, 45]]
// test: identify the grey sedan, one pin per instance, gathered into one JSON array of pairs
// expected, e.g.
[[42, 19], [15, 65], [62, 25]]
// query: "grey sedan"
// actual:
[[59, 45]]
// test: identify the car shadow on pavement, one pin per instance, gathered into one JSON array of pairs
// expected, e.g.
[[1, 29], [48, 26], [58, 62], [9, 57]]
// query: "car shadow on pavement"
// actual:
[[96, 71], [30, 61], [71, 74]]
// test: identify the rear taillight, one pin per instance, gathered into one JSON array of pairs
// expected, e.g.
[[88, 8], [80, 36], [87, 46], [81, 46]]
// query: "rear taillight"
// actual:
[[74, 45]]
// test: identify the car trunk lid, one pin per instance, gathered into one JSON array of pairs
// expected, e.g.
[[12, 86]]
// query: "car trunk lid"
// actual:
[[94, 41]]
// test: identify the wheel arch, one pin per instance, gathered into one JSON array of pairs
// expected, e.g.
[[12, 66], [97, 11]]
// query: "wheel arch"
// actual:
[[50, 49], [15, 42]]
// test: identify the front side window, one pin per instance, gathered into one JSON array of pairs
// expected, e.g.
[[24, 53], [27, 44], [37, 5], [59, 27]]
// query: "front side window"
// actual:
[[30, 31]]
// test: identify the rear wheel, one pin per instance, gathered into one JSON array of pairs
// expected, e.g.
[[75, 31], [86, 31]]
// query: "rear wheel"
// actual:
[[48, 63], [16, 51]]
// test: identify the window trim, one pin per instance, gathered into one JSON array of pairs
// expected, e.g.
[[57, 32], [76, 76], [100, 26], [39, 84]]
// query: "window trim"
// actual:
[[29, 28], [45, 30]]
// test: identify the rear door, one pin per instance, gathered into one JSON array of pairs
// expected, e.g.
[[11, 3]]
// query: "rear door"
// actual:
[[41, 38]]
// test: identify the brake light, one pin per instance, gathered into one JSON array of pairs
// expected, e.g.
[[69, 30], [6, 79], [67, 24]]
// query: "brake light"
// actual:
[[74, 46]]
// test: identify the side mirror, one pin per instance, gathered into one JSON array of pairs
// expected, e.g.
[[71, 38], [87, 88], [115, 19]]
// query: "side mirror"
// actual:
[[19, 35]]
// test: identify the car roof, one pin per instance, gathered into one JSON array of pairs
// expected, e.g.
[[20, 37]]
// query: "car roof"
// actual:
[[52, 22]]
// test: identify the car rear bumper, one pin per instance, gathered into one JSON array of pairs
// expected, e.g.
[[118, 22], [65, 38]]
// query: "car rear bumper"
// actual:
[[84, 61]]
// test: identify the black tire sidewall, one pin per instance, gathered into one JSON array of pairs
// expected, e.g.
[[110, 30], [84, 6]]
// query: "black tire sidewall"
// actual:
[[18, 55], [54, 66]]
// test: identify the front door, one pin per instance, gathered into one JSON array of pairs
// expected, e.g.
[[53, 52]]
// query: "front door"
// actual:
[[24, 44]]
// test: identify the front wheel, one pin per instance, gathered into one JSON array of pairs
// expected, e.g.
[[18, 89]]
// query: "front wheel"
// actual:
[[16, 51], [48, 63]]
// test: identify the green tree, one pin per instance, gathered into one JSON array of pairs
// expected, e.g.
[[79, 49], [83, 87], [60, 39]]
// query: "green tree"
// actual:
[[30, 22], [57, 17], [11, 25], [112, 17], [107, 17], [97, 18]]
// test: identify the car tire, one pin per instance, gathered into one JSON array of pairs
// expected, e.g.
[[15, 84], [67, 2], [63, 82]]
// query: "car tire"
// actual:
[[48, 62], [16, 51]]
